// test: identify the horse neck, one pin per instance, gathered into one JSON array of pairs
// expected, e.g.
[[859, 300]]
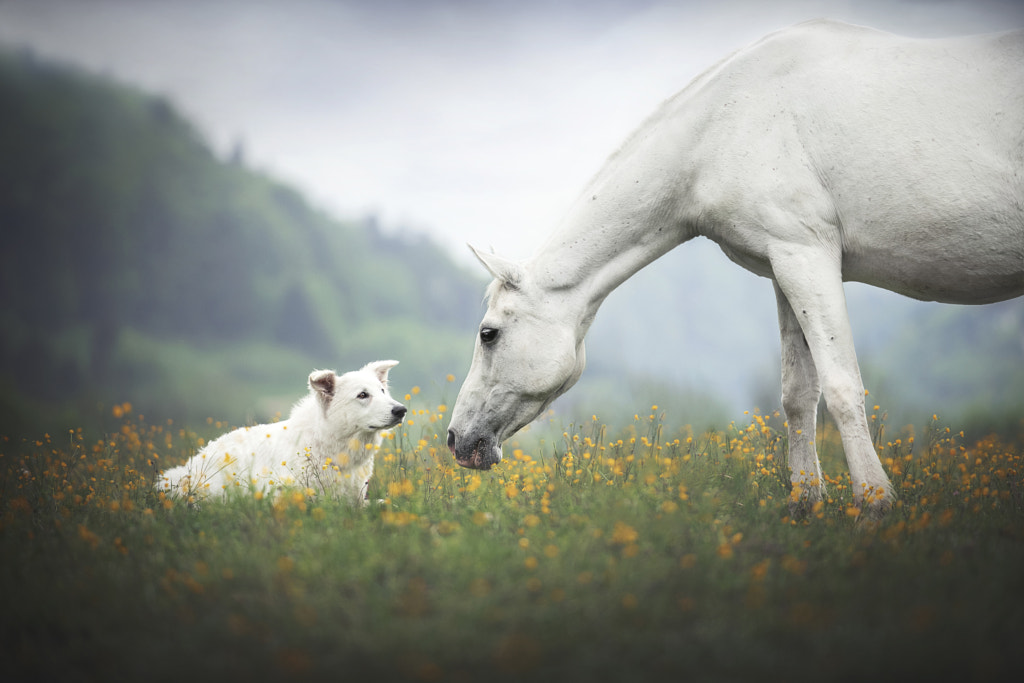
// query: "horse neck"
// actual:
[[618, 226]]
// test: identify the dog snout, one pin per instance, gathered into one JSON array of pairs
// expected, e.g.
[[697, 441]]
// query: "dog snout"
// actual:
[[451, 441], [399, 411]]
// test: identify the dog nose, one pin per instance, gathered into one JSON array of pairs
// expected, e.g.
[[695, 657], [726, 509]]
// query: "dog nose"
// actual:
[[399, 412], [451, 441]]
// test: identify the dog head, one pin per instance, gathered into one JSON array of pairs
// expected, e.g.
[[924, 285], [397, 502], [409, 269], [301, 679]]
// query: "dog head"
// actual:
[[358, 401]]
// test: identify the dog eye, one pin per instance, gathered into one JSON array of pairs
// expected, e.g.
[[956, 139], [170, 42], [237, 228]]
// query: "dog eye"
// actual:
[[363, 394], [488, 335]]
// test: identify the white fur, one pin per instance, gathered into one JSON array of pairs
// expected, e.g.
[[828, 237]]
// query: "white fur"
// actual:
[[822, 153], [326, 444]]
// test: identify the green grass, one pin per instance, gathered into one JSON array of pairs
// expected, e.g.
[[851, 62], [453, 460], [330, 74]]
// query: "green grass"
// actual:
[[648, 554]]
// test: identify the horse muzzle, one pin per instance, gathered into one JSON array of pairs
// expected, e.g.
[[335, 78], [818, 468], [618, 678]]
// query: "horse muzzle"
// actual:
[[476, 454]]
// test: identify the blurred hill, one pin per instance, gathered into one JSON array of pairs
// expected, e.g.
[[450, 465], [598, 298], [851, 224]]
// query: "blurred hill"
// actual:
[[138, 267]]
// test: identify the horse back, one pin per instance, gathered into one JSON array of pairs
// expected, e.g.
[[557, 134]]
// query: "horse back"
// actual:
[[906, 154]]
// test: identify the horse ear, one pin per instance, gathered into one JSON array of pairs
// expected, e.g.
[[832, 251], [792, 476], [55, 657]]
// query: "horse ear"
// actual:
[[509, 272]]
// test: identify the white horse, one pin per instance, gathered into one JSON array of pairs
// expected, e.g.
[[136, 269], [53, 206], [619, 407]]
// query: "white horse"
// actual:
[[822, 153]]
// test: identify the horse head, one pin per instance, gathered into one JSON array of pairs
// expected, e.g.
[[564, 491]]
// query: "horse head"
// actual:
[[527, 354]]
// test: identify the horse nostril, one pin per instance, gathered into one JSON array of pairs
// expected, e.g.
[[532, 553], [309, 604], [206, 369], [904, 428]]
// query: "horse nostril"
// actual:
[[399, 411], [451, 440]]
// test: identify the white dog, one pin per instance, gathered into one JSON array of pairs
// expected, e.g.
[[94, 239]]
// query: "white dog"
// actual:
[[326, 444]]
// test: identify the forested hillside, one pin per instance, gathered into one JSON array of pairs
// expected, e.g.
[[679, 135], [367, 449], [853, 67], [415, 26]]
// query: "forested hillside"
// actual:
[[137, 266]]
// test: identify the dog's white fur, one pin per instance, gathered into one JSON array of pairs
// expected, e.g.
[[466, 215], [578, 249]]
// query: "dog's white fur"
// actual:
[[327, 443]]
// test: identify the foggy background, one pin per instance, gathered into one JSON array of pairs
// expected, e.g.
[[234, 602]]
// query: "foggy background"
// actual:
[[481, 121], [474, 121]]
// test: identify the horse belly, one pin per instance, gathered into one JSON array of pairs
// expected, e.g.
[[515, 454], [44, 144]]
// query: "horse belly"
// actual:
[[973, 270]]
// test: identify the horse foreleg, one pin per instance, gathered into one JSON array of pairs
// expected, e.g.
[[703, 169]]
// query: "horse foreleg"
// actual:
[[810, 278], [801, 392]]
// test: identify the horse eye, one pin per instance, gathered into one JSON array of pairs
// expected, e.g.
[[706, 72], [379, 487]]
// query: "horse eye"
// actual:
[[488, 335]]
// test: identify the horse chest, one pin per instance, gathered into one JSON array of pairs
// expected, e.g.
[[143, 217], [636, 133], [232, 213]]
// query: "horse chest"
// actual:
[[754, 260]]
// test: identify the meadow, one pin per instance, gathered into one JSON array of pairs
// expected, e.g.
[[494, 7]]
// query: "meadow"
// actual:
[[645, 552]]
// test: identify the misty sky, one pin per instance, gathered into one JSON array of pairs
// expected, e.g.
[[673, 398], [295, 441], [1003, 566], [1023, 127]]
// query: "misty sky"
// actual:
[[475, 121]]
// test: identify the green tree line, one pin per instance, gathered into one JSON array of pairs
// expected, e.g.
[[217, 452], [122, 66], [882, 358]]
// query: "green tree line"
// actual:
[[119, 222]]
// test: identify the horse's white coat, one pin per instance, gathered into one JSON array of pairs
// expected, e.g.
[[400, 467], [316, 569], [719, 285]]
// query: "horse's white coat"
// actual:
[[822, 153]]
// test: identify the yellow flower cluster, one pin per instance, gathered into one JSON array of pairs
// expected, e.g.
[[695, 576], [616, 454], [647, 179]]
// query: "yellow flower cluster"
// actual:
[[542, 482]]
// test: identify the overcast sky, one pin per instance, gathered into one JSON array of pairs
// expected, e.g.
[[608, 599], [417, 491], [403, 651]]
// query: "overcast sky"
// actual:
[[474, 121]]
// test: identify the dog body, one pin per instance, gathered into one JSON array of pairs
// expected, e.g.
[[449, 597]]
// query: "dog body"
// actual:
[[327, 443]]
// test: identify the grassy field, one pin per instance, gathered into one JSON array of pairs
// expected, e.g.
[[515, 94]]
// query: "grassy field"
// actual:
[[654, 553]]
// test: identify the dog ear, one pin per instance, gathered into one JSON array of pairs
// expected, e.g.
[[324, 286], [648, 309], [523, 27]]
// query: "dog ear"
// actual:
[[322, 384], [381, 369]]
